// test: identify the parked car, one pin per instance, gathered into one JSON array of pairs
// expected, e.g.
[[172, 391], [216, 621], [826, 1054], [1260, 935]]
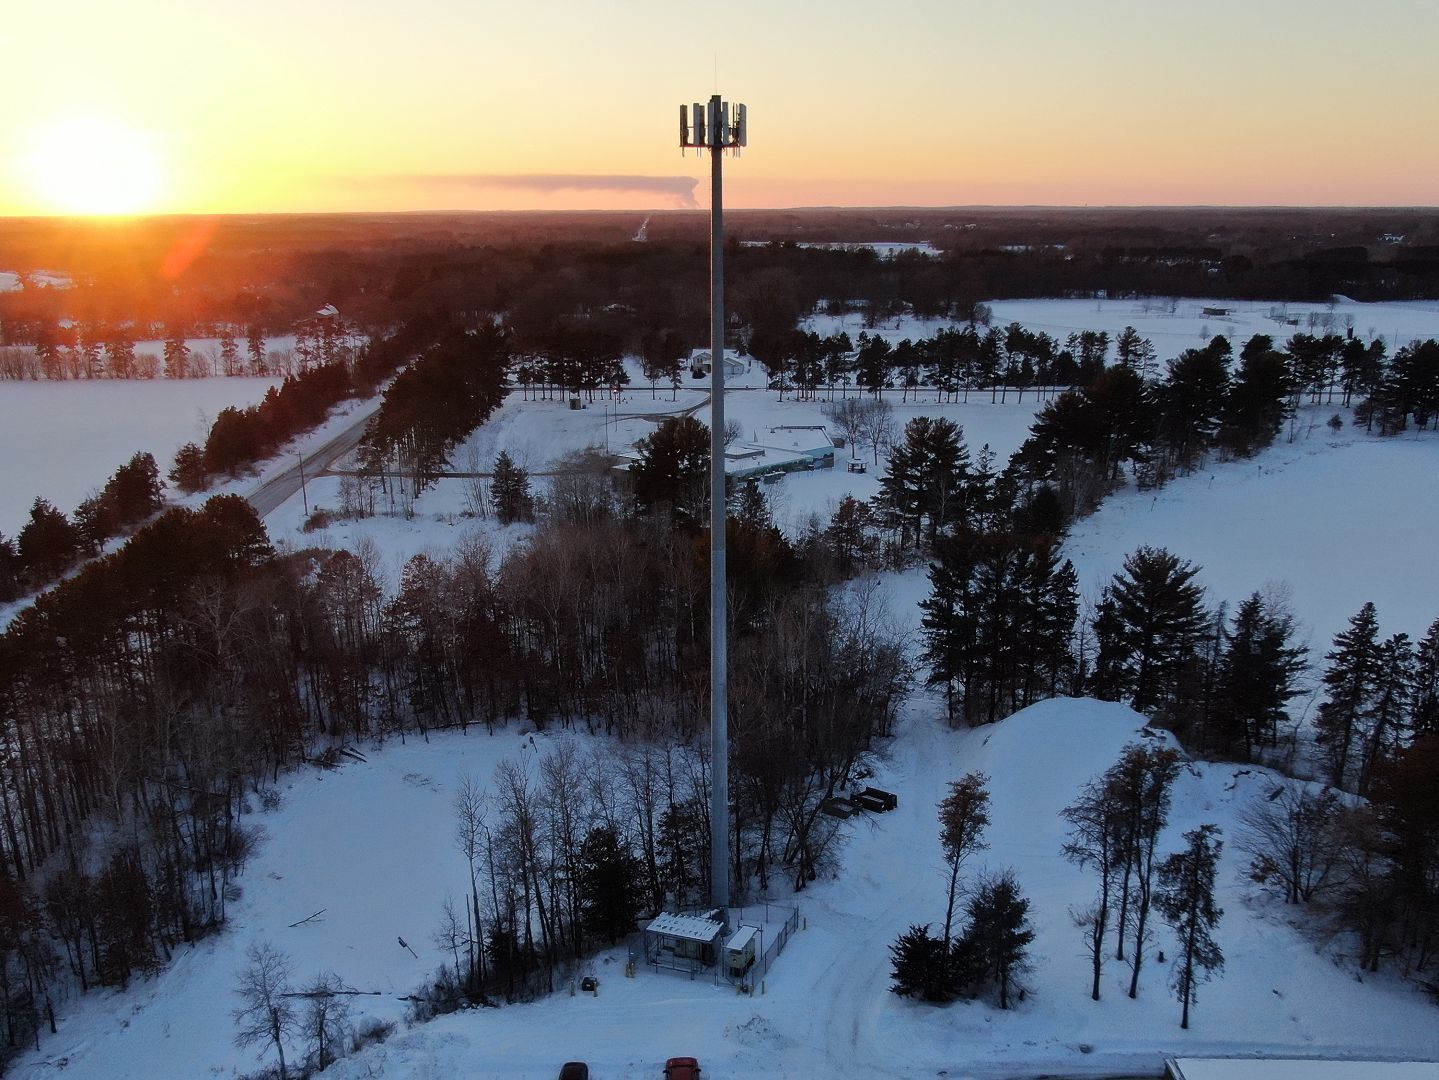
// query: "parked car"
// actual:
[[574, 1070], [683, 1068]]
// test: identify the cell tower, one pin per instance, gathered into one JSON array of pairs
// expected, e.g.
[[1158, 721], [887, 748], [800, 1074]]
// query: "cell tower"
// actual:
[[717, 129]]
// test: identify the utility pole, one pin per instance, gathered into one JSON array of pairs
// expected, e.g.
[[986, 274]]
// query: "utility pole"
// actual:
[[714, 130]]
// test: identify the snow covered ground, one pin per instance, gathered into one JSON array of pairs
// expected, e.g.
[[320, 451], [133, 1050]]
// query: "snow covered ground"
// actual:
[[1177, 324], [63, 440], [45, 279], [371, 845], [1330, 520]]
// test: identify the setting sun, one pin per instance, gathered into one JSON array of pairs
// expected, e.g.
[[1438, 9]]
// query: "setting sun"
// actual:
[[94, 165]]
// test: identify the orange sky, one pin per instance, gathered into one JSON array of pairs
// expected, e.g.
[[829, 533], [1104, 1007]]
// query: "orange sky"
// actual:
[[200, 106]]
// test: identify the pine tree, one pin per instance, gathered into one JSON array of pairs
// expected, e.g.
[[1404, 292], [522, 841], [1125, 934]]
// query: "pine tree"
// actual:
[[926, 480], [872, 363], [1049, 605], [1000, 578], [48, 544], [1424, 719], [1132, 351], [918, 962], [120, 353], [1350, 680], [672, 470], [1111, 652], [91, 348], [1385, 723], [1160, 619], [609, 885], [963, 817], [1192, 400], [229, 352], [751, 506], [255, 347], [510, 491], [1186, 900], [950, 620], [1258, 400], [188, 471], [10, 568], [999, 932], [850, 535], [1255, 681], [177, 353]]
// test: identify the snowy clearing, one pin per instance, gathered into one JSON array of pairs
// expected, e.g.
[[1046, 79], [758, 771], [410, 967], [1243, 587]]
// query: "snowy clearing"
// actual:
[[1330, 520], [371, 845]]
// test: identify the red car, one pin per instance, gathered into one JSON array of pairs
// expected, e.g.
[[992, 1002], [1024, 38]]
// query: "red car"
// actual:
[[682, 1069]]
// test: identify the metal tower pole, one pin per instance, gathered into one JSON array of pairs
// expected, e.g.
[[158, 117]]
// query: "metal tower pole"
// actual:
[[714, 129], [719, 595]]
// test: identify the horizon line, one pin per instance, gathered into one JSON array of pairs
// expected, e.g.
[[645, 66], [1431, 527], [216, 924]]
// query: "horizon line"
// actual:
[[671, 211]]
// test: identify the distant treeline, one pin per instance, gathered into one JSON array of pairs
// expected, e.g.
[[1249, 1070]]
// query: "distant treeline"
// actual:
[[99, 351], [272, 274]]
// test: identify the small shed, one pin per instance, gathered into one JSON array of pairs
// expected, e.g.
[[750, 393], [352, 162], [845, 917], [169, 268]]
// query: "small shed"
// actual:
[[739, 951], [684, 942]]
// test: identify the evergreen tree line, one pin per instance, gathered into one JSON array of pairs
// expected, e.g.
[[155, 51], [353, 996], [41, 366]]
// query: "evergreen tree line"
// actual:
[[1083, 441], [999, 624], [50, 544], [152, 697], [953, 362], [90, 350], [239, 438], [272, 274], [450, 389], [579, 355]]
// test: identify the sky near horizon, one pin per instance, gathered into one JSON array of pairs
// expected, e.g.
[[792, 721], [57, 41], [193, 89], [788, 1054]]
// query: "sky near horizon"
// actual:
[[201, 106]]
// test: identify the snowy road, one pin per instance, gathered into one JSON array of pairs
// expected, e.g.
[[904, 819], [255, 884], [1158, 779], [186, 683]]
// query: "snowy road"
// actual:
[[271, 492]]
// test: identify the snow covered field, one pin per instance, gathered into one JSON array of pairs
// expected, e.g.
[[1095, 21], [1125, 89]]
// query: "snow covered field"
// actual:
[[1175, 325], [1331, 520], [63, 440]]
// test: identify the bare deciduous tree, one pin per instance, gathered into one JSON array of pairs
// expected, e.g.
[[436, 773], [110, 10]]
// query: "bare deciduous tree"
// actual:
[[325, 1024], [1293, 841], [265, 1014]]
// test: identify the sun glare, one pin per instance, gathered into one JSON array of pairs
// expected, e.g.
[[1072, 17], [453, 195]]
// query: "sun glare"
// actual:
[[94, 165]]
